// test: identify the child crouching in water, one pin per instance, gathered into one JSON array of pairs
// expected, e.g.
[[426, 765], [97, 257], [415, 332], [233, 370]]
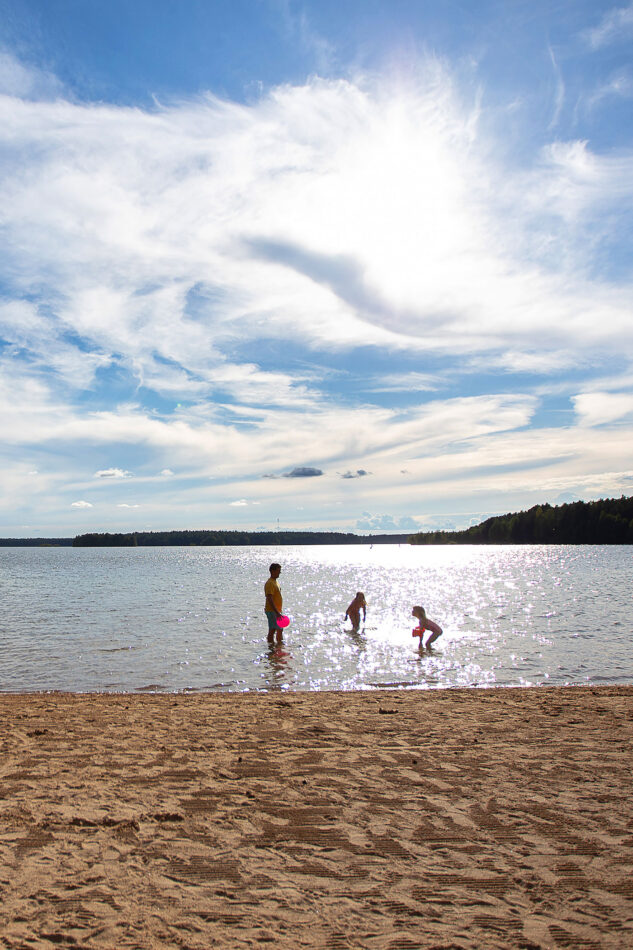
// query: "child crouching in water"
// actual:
[[353, 611], [425, 624]]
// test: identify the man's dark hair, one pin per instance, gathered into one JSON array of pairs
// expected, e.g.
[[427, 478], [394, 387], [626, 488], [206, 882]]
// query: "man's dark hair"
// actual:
[[273, 566]]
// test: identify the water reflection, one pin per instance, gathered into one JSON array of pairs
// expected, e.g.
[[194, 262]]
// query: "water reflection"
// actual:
[[192, 618], [277, 665], [357, 636]]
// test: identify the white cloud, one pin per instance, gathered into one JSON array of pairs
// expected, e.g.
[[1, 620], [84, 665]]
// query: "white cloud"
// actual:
[[127, 506], [112, 473], [241, 503], [600, 408], [81, 504]]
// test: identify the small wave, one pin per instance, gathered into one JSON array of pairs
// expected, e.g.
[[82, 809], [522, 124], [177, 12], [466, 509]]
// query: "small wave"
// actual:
[[152, 688], [115, 649], [395, 685], [610, 679], [212, 688]]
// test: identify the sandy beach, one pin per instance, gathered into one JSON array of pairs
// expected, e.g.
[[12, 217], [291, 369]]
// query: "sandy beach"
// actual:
[[430, 819]]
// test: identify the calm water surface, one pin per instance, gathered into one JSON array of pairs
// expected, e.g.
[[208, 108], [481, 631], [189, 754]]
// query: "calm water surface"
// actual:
[[187, 618]]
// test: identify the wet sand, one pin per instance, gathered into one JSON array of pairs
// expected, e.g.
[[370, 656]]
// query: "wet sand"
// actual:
[[416, 819]]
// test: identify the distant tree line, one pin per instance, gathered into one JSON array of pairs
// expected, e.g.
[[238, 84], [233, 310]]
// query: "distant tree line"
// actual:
[[607, 521], [36, 542], [219, 538]]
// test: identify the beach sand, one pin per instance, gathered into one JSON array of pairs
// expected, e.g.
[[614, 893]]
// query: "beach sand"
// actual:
[[458, 818]]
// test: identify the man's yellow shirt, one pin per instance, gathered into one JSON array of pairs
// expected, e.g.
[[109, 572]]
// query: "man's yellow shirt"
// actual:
[[274, 599]]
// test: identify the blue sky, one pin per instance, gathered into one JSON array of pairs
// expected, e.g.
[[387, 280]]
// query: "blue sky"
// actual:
[[344, 266]]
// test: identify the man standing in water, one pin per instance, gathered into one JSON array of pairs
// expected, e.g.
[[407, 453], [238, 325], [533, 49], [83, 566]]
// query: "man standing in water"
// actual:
[[274, 602]]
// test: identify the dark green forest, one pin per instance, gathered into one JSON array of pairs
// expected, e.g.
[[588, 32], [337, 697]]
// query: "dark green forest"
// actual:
[[150, 538], [607, 521], [36, 542]]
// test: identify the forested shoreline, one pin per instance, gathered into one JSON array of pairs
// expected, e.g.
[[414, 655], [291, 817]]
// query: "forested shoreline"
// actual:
[[36, 542], [230, 538], [607, 521]]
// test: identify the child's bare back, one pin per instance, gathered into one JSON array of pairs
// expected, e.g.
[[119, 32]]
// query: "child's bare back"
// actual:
[[353, 611]]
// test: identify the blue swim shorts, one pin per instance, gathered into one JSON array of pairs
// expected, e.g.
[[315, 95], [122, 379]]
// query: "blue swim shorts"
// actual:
[[273, 626]]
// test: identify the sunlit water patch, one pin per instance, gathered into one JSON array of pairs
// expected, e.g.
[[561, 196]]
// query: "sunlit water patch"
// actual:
[[188, 618]]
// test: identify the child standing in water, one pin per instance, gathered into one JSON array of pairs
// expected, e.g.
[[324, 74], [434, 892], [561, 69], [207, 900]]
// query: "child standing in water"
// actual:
[[353, 611], [425, 624]]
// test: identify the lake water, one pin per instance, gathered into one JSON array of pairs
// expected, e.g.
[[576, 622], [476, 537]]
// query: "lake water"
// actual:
[[191, 618]]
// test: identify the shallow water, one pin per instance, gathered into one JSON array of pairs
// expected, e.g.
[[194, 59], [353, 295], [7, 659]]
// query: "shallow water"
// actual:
[[189, 618]]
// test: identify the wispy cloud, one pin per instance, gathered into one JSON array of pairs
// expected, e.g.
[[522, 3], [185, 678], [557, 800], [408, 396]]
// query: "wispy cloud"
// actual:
[[27, 82], [296, 23], [405, 382], [618, 86], [615, 26], [559, 98]]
